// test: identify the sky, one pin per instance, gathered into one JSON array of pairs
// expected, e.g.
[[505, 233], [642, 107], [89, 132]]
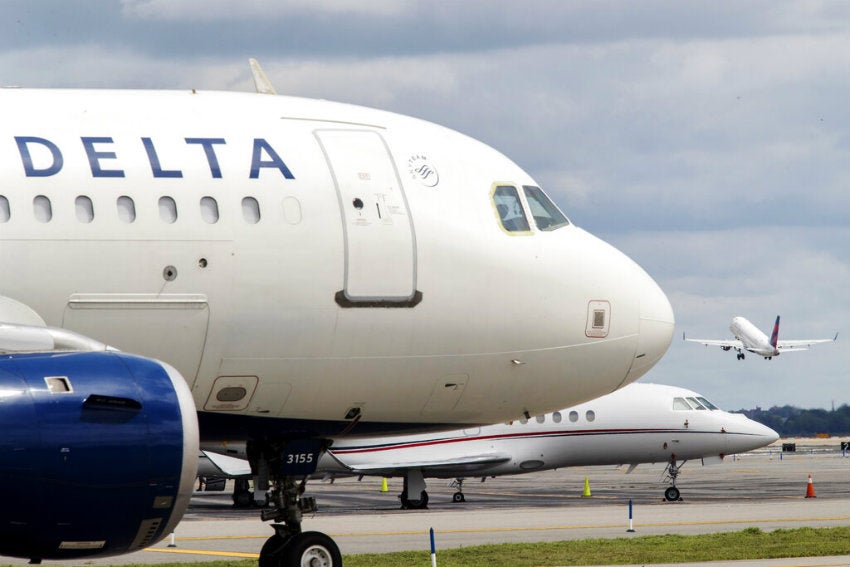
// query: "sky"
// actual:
[[709, 140]]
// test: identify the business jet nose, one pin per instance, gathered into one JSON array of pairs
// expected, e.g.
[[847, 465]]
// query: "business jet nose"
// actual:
[[750, 434], [655, 325]]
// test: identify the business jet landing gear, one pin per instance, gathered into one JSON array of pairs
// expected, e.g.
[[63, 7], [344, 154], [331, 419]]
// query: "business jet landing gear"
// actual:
[[284, 467], [458, 496], [414, 484], [242, 495], [672, 493], [741, 356]]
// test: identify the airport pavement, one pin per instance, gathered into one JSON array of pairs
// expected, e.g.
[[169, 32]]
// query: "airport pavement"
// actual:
[[765, 490]]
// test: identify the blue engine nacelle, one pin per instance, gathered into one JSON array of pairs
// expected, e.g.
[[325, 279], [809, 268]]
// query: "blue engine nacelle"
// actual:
[[98, 453]]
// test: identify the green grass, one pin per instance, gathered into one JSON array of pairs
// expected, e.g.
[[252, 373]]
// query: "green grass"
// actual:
[[751, 543]]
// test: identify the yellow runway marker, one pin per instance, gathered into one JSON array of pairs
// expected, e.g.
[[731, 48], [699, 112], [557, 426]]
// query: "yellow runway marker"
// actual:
[[205, 552]]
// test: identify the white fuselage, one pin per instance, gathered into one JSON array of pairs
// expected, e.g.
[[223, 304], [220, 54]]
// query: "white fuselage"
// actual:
[[752, 339], [309, 262], [641, 423]]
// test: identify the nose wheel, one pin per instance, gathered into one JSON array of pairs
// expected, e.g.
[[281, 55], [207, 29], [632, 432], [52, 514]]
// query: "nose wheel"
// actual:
[[672, 493], [458, 496], [307, 549]]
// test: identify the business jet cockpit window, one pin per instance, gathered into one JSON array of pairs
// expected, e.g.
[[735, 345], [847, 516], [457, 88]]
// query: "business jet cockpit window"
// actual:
[[546, 214], [509, 209], [688, 404]]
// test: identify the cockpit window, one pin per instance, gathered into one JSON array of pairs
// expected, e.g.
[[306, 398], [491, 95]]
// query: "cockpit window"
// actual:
[[546, 214], [707, 404], [509, 208], [679, 404], [696, 404]]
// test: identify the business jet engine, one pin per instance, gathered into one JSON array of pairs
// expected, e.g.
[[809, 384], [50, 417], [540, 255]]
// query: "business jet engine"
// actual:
[[98, 453]]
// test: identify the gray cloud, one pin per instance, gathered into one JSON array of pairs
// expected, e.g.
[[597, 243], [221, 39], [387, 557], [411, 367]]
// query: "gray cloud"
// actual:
[[709, 140]]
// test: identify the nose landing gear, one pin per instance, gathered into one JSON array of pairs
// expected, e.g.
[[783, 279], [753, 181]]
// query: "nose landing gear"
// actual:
[[282, 464], [672, 493]]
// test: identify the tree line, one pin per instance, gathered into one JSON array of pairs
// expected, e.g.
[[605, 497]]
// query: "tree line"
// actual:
[[790, 421]]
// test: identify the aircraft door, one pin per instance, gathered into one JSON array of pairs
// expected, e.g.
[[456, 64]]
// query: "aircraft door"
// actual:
[[380, 244]]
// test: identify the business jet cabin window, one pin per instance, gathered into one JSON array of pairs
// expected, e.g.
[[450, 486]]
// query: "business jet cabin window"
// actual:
[[509, 209], [546, 215]]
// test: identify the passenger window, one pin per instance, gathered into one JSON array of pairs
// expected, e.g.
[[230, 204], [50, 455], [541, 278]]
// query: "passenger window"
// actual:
[[523, 421], [679, 404], [574, 416], [509, 209], [167, 210], [556, 417], [696, 404], [42, 209], [209, 210], [546, 215], [5, 211], [84, 209], [590, 415], [250, 210], [541, 418], [126, 209], [707, 404]]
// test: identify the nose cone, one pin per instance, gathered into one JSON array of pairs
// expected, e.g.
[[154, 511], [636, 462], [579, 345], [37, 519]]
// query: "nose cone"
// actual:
[[655, 325], [750, 435]]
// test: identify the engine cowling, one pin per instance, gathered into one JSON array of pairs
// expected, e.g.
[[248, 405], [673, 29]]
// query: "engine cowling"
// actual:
[[98, 453]]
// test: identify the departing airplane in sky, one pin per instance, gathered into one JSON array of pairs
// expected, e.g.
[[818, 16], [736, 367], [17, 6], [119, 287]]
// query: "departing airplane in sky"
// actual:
[[283, 270], [640, 423], [749, 338]]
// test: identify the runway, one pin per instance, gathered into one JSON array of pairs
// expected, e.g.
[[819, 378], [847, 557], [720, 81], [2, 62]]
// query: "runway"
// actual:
[[764, 490]]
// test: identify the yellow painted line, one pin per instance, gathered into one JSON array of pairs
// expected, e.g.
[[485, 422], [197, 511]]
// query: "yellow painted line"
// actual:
[[204, 552]]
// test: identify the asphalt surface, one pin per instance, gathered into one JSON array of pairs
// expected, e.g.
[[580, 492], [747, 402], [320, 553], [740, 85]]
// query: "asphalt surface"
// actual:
[[765, 489]]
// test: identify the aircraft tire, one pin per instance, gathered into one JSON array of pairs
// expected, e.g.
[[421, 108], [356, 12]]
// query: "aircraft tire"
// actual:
[[421, 504], [672, 494], [243, 499], [458, 497], [311, 548], [272, 552]]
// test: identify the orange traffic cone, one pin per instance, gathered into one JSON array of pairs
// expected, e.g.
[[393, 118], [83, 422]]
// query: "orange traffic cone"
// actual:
[[810, 489]]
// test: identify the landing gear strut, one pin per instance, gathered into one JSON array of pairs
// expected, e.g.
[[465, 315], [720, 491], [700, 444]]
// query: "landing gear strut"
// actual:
[[413, 494], [458, 496], [672, 493], [287, 466]]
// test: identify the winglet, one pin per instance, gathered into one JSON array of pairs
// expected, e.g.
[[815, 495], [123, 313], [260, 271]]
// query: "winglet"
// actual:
[[261, 82], [774, 338]]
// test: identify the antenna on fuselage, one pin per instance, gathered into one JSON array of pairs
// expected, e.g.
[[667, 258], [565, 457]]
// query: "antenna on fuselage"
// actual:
[[261, 81]]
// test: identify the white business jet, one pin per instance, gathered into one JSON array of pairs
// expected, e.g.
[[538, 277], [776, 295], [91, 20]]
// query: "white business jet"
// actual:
[[749, 338], [283, 270], [641, 423]]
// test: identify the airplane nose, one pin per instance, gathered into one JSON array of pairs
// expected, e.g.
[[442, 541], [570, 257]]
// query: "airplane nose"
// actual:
[[753, 435], [656, 324]]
